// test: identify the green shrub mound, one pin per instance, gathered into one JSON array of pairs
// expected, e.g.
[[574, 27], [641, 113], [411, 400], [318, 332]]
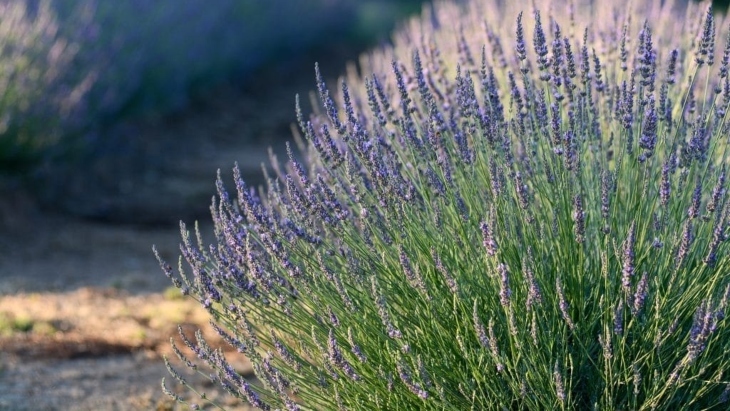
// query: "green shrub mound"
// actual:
[[529, 215]]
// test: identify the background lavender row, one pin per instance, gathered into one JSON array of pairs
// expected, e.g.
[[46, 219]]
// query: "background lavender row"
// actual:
[[71, 66]]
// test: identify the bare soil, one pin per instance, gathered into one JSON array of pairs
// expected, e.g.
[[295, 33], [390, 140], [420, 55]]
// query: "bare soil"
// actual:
[[84, 317]]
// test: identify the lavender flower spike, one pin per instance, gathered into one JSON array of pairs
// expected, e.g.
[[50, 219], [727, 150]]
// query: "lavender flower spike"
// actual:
[[558, 380], [579, 218], [490, 244], [504, 291], [641, 293], [520, 48], [628, 262], [563, 304]]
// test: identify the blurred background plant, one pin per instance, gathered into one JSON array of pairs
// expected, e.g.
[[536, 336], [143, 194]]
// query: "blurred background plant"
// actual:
[[72, 70], [39, 93]]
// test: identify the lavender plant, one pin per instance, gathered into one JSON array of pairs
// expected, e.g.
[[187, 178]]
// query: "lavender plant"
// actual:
[[70, 68], [41, 93], [490, 216]]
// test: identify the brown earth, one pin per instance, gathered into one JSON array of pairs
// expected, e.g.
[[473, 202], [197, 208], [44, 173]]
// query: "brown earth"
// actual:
[[84, 316]]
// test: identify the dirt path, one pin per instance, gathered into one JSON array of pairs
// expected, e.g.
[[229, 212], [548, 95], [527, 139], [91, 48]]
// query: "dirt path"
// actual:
[[84, 317]]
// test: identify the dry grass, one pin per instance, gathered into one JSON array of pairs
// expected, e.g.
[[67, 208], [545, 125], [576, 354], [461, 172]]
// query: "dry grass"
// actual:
[[93, 322]]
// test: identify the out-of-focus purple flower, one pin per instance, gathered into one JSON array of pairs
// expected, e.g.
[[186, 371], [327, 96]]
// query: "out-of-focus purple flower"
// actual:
[[520, 47], [627, 270], [642, 290]]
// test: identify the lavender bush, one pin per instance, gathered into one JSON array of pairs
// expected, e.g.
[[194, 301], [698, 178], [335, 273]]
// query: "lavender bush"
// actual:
[[491, 216], [41, 92]]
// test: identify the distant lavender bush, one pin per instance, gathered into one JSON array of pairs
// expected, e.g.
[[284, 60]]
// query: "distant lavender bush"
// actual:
[[40, 92], [153, 52], [491, 216], [72, 66]]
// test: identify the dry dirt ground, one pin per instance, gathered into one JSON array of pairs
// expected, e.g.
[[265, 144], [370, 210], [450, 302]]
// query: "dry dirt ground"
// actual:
[[84, 317], [85, 320]]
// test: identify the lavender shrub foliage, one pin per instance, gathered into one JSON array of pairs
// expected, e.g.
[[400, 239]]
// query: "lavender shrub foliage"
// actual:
[[491, 216]]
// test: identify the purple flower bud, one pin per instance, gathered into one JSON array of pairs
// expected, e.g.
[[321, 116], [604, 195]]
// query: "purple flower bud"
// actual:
[[571, 71], [493, 346], [504, 291], [494, 178], [672, 66], [694, 208], [641, 293], [627, 104], [405, 97], [520, 48], [717, 192], [406, 377], [479, 328], [557, 57], [251, 395], [623, 50], [284, 352], [232, 341], [169, 393], [347, 101], [706, 50], [585, 66], [488, 240], [334, 320], [717, 238], [702, 326], [383, 310], [628, 258], [647, 58], [516, 95], [563, 304], [618, 319], [534, 297], [450, 282], [559, 387], [664, 187], [336, 358], [685, 243], [355, 348], [597, 69], [572, 158], [463, 50], [725, 58], [578, 219], [541, 49], [327, 101], [648, 138], [606, 346], [373, 103], [605, 194], [521, 189], [412, 274]]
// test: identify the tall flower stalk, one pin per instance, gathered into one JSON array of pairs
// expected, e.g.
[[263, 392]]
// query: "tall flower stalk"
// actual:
[[484, 224]]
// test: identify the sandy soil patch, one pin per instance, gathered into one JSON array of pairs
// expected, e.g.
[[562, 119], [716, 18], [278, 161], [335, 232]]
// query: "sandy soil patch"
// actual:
[[99, 349]]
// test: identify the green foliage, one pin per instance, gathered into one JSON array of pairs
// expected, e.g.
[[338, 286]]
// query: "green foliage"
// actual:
[[172, 293], [10, 325]]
